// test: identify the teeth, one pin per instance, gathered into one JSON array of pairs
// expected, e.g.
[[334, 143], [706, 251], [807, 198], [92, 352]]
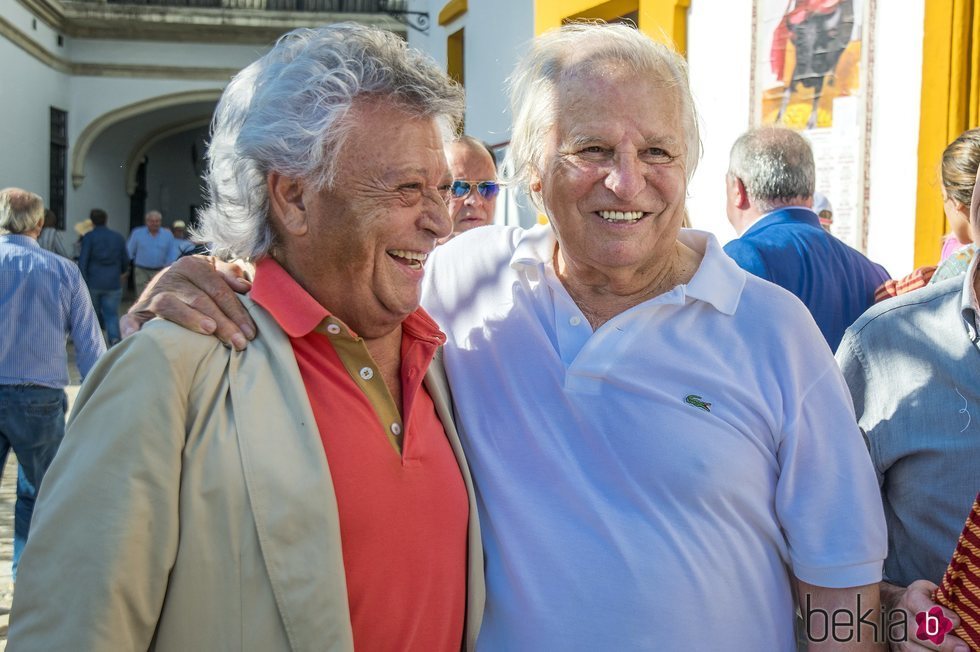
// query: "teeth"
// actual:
[[410, 255], [620, 216], [415, 258]]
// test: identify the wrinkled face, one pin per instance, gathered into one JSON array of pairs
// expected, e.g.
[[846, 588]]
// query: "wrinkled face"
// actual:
[[470, 163], [372, 232], [612, 177], [153, 222]]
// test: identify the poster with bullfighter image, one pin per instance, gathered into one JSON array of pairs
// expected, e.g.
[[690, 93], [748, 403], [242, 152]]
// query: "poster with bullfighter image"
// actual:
[[810, 74]]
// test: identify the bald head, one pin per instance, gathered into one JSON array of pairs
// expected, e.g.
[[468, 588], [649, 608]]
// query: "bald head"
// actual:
[[21, 212], [470, 160]]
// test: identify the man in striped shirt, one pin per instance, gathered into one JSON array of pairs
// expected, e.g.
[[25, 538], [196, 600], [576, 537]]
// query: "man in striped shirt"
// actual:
[[42, 300]]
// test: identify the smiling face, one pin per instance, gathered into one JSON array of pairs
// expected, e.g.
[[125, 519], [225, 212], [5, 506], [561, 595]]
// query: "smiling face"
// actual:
[[362, 244], [612, 177], [469, 162]]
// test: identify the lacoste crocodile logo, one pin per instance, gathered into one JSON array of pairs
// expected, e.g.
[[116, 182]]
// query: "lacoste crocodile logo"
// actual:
[[698, 402]]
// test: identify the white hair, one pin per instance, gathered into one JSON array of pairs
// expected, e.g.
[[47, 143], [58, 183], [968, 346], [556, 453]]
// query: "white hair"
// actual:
[[558, 54], [286, 113]]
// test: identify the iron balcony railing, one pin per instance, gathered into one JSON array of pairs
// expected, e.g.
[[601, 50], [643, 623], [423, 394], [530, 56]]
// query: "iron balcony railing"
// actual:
[[327, 6]]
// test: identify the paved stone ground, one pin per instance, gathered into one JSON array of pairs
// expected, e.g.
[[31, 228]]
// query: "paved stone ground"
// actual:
[[8, 494]]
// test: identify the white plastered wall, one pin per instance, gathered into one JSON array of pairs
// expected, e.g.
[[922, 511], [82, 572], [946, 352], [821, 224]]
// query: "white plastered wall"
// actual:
[[720, 81], [27, 89], [897, 83]]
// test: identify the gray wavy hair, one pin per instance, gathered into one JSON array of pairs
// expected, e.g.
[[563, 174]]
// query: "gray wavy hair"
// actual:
[[20, 211], [556, 55], [775, 165], [286, 112]]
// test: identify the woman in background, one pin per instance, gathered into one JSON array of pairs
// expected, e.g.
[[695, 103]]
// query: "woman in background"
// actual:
[[959, 172]]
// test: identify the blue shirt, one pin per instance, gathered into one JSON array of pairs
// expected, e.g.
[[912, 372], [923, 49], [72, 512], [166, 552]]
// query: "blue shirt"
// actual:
[[912, 364], [148, 250], [42, 301], [103, 259], [789, 248]]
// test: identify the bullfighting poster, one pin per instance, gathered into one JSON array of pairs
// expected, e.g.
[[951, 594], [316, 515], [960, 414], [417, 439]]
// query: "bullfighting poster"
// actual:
[[810, 73]]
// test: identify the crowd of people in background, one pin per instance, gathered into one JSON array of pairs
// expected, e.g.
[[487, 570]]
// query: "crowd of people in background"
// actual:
[[603, 432]]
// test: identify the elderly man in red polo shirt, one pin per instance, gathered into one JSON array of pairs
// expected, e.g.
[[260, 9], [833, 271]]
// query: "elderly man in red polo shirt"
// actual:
[[310, 492]]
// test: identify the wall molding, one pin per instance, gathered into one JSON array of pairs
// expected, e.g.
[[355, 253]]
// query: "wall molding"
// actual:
[[64, 66], [86, 19]]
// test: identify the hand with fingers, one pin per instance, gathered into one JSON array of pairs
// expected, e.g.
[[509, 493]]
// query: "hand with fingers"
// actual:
[[917, 599], [198, 293]]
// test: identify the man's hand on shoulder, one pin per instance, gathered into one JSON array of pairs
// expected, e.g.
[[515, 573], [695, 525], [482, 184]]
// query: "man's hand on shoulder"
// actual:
[[915, 599], [197, 293]]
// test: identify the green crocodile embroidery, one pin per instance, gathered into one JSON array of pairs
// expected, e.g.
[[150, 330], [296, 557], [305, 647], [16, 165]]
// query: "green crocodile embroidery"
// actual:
[[698, 402]]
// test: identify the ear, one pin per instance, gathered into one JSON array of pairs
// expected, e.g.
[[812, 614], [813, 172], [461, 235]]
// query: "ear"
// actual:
[[740, 197], [286, 203], [535, 182]]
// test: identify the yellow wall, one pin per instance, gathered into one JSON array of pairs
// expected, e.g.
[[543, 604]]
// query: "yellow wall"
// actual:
[[950, 104], [664, 20]]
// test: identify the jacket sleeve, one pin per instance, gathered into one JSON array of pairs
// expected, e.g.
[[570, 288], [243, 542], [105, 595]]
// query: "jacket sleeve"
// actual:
[[105, 531]]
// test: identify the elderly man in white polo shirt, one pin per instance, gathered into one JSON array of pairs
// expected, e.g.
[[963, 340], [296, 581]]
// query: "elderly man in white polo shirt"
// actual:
[[664, 449]]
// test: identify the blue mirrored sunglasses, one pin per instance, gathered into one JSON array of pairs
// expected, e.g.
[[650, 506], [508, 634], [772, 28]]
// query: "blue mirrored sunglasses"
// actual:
[[487, 189]]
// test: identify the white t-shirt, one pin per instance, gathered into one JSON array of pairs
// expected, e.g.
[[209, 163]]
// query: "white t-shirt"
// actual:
[[655, 483]]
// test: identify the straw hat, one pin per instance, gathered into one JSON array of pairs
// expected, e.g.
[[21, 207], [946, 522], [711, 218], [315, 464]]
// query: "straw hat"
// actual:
[[84, 227]]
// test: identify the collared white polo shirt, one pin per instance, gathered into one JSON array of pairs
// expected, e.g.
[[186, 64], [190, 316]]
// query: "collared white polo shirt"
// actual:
[[655, 483]]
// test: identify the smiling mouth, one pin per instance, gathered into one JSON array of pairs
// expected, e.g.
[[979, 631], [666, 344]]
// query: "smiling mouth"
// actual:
[[621, 217], [411, 259]]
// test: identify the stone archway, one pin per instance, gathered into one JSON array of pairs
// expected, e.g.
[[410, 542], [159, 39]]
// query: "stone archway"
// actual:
[[95, 128]]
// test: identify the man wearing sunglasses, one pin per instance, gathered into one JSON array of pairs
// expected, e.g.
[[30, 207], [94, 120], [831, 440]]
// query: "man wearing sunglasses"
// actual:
[[472, 197]]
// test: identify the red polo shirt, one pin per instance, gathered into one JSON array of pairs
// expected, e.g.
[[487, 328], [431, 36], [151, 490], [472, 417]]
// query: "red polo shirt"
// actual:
[[402, 502]]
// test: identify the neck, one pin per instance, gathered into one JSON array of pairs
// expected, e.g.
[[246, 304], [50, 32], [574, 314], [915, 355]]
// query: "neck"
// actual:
[[603, 294]]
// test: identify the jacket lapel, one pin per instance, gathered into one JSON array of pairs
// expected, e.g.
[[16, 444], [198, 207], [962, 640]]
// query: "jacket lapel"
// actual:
[[290, 490], [438, 386]]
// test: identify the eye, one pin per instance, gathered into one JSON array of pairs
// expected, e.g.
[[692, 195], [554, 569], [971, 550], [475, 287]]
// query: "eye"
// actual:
[[658, 155], [409, 194]]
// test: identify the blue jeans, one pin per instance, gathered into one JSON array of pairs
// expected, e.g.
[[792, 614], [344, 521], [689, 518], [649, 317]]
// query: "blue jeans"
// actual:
[[32, 422], [106, 304]]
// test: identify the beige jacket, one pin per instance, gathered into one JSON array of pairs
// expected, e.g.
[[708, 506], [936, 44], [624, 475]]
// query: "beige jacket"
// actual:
[[190, 508]]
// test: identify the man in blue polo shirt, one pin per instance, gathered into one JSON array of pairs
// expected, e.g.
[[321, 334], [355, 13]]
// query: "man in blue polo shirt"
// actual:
[[149, 247], [769, 191]]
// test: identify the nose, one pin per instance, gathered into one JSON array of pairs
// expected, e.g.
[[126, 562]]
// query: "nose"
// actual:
[[473, 197], [625, 178], [435, 217]]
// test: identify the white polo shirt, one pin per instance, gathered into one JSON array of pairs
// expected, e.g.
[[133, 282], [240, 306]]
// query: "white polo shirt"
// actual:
[[655, 483]]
